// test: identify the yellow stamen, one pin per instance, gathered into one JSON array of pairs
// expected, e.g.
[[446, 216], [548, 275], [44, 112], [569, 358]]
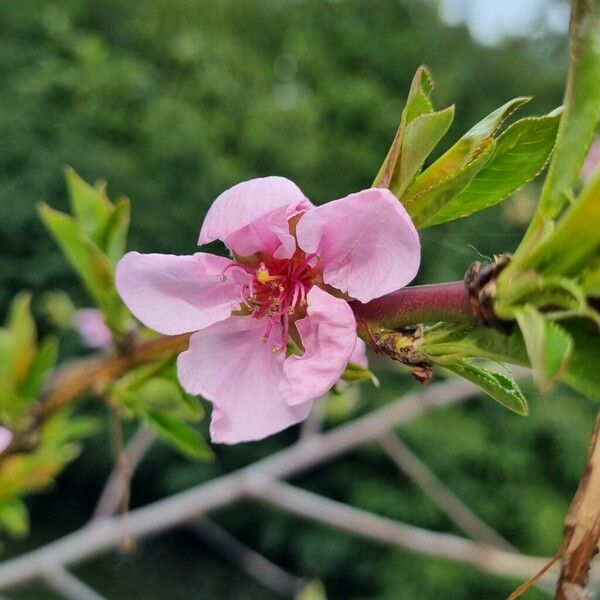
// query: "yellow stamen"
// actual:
[[263, 275]]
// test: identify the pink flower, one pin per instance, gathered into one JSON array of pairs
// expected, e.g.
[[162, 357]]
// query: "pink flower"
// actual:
[[89, 324], [5, 439], [274, 330]]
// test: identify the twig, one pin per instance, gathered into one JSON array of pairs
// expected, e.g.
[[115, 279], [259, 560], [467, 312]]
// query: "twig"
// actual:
[[67, 585], [118, 481], [445, 499], [387, 531], [582, 528], [184, 507], [252, 563]]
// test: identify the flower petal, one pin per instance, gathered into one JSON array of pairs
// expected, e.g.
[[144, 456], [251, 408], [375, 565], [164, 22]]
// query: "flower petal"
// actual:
[[367, 243], [91, 327], [252, 216], [328, 335], [229, 365], [359, 355], [178, 294]]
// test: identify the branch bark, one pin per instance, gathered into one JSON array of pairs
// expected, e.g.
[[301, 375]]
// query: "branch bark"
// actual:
[[582, 528], [186, 506]]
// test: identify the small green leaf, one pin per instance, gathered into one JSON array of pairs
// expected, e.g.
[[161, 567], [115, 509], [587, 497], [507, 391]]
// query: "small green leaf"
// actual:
[[420, 138], [355, 372], [502, 388], [89, 204], [467, 149], [519, 154], [549, 347], [417, 104], [22, 331], [41, 367], [179, 435], [115, 235], [92, 266], [14, 517], [160, 394]]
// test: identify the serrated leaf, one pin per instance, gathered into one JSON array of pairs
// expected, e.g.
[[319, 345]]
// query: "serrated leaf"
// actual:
[[467, 149], [90, 205], [179, 435], [92, 266], [502, 388], [14, 517], [115, 235], [417, 103], [519, 154], [421, 136], [548, 345], [41, 367], [581, 115], [425, 205]]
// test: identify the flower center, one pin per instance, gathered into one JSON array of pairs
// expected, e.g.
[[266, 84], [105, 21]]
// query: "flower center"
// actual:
[[278, 291]]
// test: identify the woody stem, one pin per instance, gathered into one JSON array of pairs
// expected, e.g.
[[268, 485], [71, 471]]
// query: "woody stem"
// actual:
[[417, 304]]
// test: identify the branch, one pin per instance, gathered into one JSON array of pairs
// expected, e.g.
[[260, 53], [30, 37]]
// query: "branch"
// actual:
[[582, 528], [68, 586], [186, 506], [388, 531], [444, 498], [417, 304], [116, 485], [272, 576]]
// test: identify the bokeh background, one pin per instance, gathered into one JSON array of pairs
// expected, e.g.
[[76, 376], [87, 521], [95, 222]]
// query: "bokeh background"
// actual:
[[172, 101]]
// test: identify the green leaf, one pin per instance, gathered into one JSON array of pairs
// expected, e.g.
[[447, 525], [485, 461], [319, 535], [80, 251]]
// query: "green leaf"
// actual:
[[417, 104], [502, 388], [115, 235], [179, 435], [14, 517], [41, 367], [568, 248], [518, 155], [420, 138], [92, 266], [22, 331], [160, 394], [467, 149], [89, 204], [425, 205], [549, 347], [355, 372], [581, 116], [583, 373]]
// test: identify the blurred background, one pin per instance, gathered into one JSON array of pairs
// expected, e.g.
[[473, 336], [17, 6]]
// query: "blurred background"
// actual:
[[172, 101]]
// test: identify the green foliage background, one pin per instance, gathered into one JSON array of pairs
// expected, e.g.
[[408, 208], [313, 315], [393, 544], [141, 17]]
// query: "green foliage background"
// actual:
[[172, 101]]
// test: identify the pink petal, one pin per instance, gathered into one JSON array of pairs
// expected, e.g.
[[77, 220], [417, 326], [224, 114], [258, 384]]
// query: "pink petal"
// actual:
[[6, 437], [229, 365], [178, 294], [359, 355], [328, 335], [367, 243], [252, 216], [89, 324]]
